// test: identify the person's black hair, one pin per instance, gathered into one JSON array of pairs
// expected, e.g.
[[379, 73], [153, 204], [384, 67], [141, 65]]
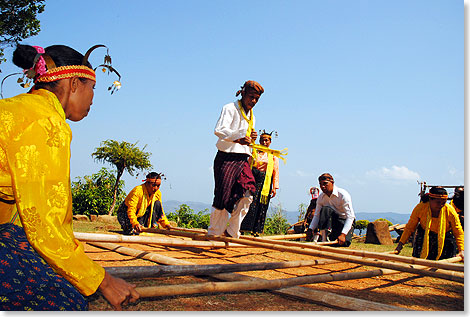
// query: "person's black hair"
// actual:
[[62, 55], [438, 190], [154, 175]]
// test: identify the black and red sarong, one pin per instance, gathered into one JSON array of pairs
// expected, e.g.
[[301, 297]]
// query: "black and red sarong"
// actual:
[[232, 177]]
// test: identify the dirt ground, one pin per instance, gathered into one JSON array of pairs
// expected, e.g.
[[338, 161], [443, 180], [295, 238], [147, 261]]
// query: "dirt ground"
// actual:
[[403, 290]]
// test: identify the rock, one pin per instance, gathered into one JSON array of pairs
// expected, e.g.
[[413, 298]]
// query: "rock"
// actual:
[[108, 219], [93, 217], [173, 224], [81, 218], [378, 233]]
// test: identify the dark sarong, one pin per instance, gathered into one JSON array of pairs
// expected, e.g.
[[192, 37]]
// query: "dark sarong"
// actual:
[[27, 281], [329, 219], [256, 216], [125, 223], [232, 177], [449, 250]]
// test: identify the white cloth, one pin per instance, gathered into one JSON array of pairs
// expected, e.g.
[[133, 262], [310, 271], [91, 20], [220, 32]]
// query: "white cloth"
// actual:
[[340, 201], [219, 218], [232, 126]]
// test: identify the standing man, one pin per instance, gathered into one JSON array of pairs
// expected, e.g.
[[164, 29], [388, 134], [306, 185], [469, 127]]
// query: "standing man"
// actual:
[[333, 211], [234, 181]]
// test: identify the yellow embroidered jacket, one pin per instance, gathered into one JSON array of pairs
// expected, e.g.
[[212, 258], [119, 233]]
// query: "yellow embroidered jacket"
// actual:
[[419, 216], [35, 173], [137, 202]]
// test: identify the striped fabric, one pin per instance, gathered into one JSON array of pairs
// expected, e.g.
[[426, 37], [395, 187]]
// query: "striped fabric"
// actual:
[[232, 177]]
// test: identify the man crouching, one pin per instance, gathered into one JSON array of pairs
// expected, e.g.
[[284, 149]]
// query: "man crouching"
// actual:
[[335, 215]]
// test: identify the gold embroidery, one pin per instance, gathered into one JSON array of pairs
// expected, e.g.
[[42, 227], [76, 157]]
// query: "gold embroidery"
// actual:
[[57, 196], [56, 137], [28, 161], [6, 117]]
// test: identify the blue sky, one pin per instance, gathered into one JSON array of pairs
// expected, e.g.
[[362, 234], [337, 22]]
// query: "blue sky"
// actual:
[[369, 91]]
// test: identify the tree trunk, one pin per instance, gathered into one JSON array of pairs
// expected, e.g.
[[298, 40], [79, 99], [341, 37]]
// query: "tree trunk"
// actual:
[[116, 185]]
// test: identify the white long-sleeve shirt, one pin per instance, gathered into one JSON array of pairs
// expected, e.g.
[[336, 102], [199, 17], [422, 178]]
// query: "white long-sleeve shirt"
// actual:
[[340, 201], [232, 126]]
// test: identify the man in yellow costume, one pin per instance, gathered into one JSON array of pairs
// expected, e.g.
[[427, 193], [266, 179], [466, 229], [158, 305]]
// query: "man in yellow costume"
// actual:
[[142, 207]]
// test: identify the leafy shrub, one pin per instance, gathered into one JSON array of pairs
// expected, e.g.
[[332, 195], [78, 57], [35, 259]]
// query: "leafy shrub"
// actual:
[[361, 225], [93, 195], [276, 222], [185, 217]]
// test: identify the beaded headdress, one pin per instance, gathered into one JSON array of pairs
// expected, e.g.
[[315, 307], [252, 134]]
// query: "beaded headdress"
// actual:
[[263, 132]]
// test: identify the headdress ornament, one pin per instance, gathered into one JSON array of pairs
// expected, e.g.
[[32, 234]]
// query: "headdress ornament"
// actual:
[[263, 132], [44, 70], [437, 196]]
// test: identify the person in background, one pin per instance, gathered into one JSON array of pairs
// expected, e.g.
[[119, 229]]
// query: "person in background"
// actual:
[[438, 227], [142, 207], [265, 168], [234, 181], [458, 202], [334, 212], [43, 266]]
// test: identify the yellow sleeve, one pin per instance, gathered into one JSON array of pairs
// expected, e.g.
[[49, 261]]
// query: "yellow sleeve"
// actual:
[[39, 163], [132, 201], [412, 224]]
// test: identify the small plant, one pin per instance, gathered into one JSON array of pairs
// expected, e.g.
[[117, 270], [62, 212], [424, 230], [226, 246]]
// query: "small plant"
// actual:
[[276, 223], [185, 217], [361, 225]]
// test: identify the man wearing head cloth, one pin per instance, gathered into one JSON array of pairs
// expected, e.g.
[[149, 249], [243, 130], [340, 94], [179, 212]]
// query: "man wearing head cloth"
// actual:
[[234, 181], [334, 211]]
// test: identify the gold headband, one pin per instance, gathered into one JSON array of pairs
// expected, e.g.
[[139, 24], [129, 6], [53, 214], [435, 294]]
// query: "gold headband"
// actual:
[[63, 72], [436, 196]]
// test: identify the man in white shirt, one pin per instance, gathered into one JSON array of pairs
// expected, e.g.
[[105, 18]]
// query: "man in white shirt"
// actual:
[[234, 181], [333, 211]]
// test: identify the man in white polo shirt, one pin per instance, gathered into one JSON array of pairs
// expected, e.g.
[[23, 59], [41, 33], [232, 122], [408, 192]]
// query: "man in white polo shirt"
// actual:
[[334, 212]]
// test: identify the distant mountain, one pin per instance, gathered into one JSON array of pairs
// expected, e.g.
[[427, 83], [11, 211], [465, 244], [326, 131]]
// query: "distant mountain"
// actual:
[[291, 216]]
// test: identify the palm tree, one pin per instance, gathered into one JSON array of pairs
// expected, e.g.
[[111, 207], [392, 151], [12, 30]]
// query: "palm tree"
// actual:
[[125, 156]]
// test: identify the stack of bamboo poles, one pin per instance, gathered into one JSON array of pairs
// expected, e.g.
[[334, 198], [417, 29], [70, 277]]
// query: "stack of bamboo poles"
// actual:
[[440, 269]]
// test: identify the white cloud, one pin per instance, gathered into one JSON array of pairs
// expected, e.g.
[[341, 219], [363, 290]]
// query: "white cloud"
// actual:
[[303, 174], [395, 173]]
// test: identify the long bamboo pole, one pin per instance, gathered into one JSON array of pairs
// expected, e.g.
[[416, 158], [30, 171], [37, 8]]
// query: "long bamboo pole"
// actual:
[[448, 275], [219, 287], [341, 254], [316, 296], [127, 272], [100, 237], [375, 255]]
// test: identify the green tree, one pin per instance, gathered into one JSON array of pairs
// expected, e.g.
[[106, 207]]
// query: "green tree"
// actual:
[[276, 222], [361, 225], [92, 195], [125, 157], [185, 217], [18, 21]]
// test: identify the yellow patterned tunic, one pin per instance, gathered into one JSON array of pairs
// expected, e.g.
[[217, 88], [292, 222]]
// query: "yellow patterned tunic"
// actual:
[[35, 173]]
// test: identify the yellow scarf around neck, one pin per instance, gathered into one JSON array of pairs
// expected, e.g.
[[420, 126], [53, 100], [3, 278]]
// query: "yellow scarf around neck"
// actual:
[[249, 130], [265, 191], [440, 235]]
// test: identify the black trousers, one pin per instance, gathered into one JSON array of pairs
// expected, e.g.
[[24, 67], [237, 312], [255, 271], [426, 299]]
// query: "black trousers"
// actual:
[[329, 219]]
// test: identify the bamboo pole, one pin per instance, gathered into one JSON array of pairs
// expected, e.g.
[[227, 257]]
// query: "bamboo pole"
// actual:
[[308, 294], [99, 237], [219, 287], [448, 275], [375, 255], [341, 254], [127, 272]]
